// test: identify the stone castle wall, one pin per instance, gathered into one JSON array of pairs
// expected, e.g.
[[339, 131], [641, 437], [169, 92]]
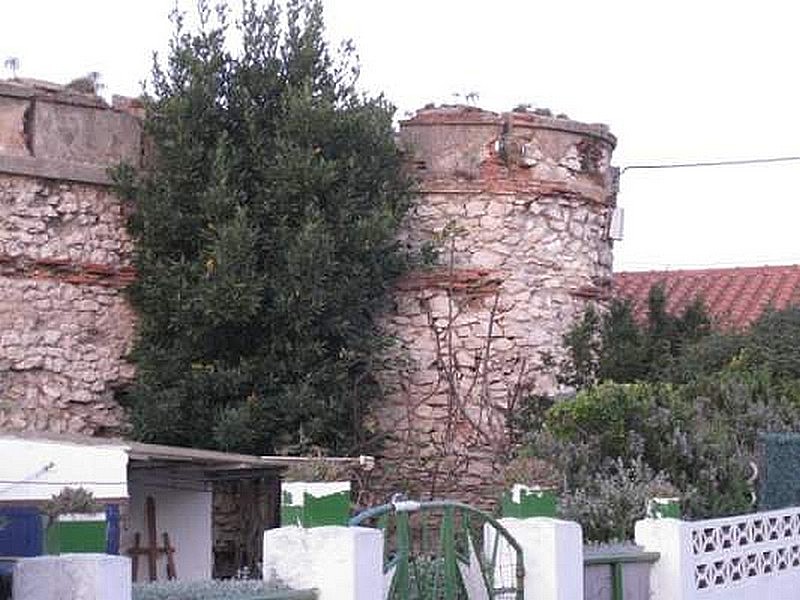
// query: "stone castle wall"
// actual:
[[516, 205], [65, 325], [518, 208]]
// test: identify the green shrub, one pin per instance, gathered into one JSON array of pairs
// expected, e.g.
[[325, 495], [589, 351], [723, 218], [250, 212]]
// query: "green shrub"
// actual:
[[613, 498], [774, 343], [612, 415], [266, 237], [210, 590], [687, 404], [71, 500], [613, 346], [622, 357], [700, 437], [677, 349], [713, 353]]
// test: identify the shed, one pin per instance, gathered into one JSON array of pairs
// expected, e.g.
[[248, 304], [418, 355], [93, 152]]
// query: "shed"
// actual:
[[158, 500]]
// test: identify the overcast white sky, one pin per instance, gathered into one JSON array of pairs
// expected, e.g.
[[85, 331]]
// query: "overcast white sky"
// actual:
[[684, 80]]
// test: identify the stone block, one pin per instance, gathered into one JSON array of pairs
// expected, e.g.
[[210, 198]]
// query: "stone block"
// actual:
[[84, 134], [12, 126], [73, 577]]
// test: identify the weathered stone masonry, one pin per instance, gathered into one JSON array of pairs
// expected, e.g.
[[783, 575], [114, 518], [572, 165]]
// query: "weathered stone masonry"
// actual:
[[517, 204], [519, 207], [65, 325]]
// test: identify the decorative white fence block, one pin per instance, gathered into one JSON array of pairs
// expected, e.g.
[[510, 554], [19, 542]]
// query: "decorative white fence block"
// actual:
[[73, 577], [343, 563], [755, 556], [552, 553]]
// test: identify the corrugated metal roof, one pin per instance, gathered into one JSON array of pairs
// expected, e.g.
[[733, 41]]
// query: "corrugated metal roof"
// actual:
[[146, 453]]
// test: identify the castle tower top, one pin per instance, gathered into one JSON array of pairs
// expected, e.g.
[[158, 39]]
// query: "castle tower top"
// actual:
[[517, 150], [519, 206], [52, 131]]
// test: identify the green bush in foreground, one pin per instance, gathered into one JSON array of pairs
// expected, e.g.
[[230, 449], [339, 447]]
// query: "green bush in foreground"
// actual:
[[616, 444], [669, 406], [613, 498], [208, 590]]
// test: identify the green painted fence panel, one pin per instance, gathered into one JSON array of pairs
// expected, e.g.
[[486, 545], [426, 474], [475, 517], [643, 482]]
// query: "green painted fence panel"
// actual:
[[664, 508], [315, 504], [523, 502], [291, 514], [328, 510], [76, 536], [779, 470]]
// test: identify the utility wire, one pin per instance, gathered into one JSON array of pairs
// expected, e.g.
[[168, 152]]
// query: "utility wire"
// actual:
[[29, 478], [716, 163], [62, 483]]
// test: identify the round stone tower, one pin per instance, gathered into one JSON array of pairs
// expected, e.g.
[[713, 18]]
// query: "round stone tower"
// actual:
[[516, 209]]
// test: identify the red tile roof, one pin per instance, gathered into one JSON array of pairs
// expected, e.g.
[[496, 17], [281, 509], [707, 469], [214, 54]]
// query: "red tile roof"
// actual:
[[733, 297]]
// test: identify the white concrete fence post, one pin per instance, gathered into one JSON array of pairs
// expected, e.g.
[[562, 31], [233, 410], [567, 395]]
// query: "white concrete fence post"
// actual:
[[552, 552], [343, 563], [346, 563], [670, 575], [73, 576]]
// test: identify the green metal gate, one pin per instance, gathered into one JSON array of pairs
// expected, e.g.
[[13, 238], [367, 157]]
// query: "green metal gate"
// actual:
[[443, 550]]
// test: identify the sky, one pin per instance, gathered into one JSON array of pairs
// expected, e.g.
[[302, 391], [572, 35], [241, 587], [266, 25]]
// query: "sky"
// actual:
[[678, 81]]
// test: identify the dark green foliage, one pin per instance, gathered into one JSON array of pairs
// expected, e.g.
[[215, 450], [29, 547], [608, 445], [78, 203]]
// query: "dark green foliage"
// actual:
[[614, 347], [715, 352], [774, 341], [667, 335], [609, 415], [668, 347], [622, 356], [584, 345], [265, 236], [682, 408], [230, 589], [779, 471], [613, 498], [700, 438], [71, 500]]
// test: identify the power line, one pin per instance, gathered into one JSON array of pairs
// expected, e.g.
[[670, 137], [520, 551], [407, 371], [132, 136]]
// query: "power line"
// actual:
[[62, 483], [715, 163]]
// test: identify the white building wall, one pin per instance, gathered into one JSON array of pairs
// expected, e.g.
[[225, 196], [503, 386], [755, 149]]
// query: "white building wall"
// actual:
[[39, 469], [183, 510]]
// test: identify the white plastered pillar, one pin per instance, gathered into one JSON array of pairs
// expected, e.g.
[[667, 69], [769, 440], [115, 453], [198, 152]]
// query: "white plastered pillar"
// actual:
[[552, 552], [342, 563]]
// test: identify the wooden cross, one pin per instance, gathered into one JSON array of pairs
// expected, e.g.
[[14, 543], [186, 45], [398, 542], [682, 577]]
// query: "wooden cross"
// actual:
[[152, 550]]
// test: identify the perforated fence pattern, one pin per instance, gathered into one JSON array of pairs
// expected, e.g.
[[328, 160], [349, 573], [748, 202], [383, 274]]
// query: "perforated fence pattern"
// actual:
[[757, 546]]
